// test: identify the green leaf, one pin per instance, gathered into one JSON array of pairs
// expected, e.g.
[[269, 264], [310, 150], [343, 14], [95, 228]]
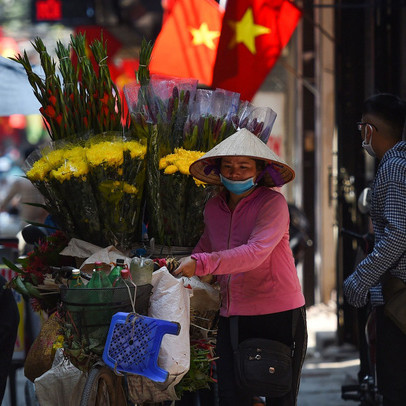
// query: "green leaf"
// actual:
[[12, 266], [33, 223], [42, 206]]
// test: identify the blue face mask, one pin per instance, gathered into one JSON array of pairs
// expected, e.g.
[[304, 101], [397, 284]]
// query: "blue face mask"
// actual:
[[238, 187]]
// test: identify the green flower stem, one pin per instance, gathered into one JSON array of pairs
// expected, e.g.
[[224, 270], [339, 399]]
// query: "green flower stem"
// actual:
[[79, 200], [153, 190]]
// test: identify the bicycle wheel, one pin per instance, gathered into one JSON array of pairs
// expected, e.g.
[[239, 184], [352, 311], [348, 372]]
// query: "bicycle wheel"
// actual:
[[103, 388]]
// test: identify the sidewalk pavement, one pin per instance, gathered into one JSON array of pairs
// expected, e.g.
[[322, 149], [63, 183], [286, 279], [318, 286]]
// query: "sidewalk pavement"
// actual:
[[327, 366]]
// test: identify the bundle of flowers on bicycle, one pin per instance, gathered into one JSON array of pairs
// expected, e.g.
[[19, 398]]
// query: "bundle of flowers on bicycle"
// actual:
[[93, 188], [102, 159], [92, 173]]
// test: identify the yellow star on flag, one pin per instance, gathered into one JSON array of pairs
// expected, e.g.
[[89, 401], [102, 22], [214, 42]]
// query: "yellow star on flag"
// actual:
[[246, 31], [204, 36]]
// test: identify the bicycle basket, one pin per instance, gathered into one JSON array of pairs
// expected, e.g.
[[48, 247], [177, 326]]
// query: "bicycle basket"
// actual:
[[133, 344], [90, 310]]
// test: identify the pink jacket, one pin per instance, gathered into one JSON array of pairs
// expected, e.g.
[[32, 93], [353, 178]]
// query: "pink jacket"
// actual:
[[248, 250]]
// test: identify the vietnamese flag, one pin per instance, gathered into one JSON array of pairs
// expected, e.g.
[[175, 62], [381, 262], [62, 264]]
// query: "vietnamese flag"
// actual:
[[253, 35], [167, 6], [187, 44]]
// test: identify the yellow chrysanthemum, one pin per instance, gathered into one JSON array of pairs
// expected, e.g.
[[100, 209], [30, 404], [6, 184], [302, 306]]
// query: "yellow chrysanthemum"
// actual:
[[184, 168], [199, 182], [163, 163], [43, 166], [136, 149], [60, 338], [69, 169], [181, 159], [106, 152], [75, 153], [130, 189], [169, 170], [39, 170], [58, 342], [55, 157]]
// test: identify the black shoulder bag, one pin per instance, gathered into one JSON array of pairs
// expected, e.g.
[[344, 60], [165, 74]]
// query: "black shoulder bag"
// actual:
[[263, 366]]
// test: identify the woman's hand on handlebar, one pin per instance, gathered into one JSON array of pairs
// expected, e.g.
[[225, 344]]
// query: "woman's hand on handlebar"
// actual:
[[186, 268]]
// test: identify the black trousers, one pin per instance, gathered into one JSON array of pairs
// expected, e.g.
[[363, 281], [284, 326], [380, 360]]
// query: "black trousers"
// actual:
[[390, 360], [9, 319], [277, 326]]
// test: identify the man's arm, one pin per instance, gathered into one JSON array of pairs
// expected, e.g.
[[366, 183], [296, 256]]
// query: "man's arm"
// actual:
[[388, 250]]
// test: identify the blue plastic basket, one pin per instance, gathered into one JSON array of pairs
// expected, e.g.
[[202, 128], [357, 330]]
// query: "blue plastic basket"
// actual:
[[133, 344]]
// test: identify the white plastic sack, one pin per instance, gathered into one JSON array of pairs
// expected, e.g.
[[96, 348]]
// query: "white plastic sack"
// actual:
[[62, 385], [204, 296], [169, 301]]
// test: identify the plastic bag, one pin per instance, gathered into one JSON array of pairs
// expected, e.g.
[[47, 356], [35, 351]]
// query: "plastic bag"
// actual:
[[170, 301], [62, 385]]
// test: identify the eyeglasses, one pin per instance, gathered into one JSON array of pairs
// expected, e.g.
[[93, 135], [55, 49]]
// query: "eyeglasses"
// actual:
[[360, 124]]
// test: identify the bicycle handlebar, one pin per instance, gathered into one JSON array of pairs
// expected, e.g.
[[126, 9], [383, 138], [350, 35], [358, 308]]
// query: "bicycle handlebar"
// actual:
[[66, 272]]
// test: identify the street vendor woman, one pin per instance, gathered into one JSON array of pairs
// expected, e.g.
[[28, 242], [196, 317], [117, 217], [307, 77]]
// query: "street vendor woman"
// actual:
[[245, 245]]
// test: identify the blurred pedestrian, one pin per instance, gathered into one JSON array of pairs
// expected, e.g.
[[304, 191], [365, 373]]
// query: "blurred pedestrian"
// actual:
[[21, 191], [9, 319]]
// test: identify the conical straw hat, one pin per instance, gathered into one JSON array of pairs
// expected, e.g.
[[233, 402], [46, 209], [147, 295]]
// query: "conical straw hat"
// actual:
[[242, 143]]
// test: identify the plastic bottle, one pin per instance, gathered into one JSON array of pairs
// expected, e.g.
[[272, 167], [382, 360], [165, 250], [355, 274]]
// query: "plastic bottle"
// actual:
[[76, 281], [141, 270], [116, 271], [121, 280], [99, 278]]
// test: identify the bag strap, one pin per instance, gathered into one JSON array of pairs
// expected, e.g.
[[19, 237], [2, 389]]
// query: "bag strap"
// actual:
[[234, 328]]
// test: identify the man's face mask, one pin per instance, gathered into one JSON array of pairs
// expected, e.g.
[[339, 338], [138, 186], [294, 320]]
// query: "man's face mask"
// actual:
[[368, 146]]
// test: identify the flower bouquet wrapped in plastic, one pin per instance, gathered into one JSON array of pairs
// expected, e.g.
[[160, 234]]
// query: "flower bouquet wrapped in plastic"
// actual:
[[211, 118], [161, 105], [117, 173], [174, 202], [182, 200], [91, 188], [48, 169], [258, 120]]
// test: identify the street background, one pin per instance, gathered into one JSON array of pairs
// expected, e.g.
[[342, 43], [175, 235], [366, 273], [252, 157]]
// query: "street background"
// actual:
[[327, 367]]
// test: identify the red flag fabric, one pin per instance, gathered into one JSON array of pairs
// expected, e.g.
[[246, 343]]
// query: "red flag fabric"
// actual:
[[94, 32], [167, 6], [123, 74], [187, 44], [253, 35]]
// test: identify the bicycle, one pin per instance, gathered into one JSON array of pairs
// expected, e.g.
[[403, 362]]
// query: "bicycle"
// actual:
[[103, 387], [366, 391]]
